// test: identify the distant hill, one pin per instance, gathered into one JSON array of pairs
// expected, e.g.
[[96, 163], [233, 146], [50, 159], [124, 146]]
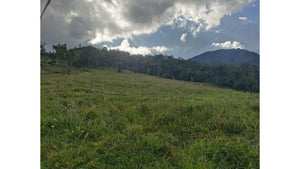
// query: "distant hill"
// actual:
[[237, 56]]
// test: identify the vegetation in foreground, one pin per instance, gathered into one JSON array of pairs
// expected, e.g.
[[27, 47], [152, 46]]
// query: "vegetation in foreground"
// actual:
[[131, 120]]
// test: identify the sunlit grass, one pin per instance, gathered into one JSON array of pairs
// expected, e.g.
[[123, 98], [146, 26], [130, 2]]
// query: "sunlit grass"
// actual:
[[154, 122]]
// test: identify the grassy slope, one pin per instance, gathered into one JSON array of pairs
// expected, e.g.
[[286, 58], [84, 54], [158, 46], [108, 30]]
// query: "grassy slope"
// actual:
[[160, 123]]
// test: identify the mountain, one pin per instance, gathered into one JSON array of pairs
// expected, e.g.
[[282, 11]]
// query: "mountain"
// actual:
[[237, 56]]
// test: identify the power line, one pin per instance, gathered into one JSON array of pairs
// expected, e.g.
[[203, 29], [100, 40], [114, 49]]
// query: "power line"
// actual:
[[45, 8]]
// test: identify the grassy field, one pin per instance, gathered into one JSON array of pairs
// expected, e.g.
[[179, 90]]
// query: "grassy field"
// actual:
[[141, 121]]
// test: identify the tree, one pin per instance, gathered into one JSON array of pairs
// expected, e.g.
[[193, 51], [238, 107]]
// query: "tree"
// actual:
[[43, 50], [68, 56], [50, 58]]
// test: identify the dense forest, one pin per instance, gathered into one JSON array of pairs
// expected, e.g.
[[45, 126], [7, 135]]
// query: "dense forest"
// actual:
[[243, 77]]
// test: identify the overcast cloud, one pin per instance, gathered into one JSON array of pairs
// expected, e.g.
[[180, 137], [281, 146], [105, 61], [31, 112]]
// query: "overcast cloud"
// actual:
[[96, 21]]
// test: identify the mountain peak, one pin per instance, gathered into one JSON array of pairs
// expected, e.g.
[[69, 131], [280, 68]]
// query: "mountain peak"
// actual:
[[237, 56]]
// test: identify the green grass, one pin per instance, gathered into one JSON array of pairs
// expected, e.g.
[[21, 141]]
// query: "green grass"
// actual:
[[153, 123]]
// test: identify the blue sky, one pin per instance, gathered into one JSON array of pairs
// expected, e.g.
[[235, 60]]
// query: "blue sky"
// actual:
[[182, 28], [250, 11]]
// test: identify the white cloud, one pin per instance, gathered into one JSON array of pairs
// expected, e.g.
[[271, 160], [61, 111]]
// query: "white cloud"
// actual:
[[93, 21], [181, 23], [125, 46], [229, 45], [183, 36], [242, 18], [245, 19], [160, 49], [218, 31]]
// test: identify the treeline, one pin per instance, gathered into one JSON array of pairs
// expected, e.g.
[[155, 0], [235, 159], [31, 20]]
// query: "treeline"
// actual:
[[239, 77]]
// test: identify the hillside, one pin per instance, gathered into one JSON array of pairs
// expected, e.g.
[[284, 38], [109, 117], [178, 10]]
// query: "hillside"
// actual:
[[132, 120], [237, 56], [242, 77]]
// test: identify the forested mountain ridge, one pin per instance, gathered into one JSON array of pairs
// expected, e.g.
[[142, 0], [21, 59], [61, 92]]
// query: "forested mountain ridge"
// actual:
[[237, 56], [243, 77]]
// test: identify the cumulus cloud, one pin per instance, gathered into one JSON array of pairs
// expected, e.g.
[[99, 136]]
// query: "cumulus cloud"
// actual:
[[229, 45], [96, 21], [183, 36], [125, 46]]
